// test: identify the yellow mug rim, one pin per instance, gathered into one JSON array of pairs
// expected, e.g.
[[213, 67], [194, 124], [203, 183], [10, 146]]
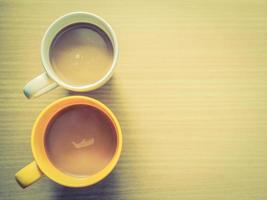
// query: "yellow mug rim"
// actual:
[[38, 147]]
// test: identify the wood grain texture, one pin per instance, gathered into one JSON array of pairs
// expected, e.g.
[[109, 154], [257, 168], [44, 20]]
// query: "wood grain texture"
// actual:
[[190, 92]]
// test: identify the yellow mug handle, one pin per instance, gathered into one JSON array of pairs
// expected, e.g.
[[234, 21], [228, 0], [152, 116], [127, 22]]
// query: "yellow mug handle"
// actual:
[[28, 175]]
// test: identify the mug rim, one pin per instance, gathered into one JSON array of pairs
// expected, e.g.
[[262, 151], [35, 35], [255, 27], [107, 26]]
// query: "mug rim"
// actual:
[[47, 63], [38, 143]]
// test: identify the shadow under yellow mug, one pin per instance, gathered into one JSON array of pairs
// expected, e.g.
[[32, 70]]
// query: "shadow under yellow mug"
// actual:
[[43, 166]]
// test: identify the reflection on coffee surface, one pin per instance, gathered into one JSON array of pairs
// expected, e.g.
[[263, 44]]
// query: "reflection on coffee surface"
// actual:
[[80, 140], [81, 54]]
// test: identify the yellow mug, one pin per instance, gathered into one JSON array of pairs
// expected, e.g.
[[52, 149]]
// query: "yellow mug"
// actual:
[[43, 166]]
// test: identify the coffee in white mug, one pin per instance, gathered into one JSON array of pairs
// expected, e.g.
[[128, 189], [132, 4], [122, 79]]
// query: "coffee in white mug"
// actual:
[[81, 54]]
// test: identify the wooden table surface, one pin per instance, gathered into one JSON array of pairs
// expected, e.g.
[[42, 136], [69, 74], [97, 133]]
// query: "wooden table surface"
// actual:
[[190, 92]]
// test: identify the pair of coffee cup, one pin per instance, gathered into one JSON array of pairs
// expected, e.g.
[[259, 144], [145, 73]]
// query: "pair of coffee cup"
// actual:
[[49, 80]]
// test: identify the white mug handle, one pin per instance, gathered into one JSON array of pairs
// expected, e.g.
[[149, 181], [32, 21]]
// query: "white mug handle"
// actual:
[[38, 86]]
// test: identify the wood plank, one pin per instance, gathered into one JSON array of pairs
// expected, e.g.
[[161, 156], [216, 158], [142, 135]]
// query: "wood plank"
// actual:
[[190, 92]]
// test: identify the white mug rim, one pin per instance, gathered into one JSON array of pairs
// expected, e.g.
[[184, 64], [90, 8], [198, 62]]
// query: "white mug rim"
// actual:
[[47, 64]]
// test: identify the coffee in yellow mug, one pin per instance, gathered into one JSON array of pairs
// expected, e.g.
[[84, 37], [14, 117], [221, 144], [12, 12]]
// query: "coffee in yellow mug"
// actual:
[[76, 141]]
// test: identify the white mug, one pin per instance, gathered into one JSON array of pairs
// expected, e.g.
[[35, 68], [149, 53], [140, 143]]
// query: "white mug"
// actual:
[[49, 79]]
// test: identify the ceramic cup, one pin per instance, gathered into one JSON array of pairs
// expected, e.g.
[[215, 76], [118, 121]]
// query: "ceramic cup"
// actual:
[[43, 166], [49, 79]]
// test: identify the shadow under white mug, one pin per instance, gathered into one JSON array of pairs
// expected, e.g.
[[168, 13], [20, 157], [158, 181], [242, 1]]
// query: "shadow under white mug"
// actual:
[[49, 79]]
